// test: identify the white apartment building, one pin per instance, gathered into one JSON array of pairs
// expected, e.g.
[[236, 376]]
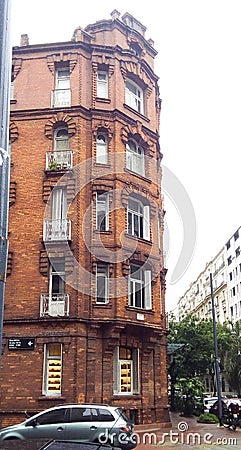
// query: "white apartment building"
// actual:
[[197, 298], [233, 261]]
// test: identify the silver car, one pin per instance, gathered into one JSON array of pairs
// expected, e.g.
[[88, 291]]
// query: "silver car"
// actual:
[[77, 422]]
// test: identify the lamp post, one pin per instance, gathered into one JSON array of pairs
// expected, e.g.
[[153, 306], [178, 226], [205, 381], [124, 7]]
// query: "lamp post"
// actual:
[[5, 58], [216, 359]]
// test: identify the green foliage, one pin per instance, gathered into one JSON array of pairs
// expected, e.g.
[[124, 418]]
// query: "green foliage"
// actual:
[[190, 388], [208, 418], [233, 359]]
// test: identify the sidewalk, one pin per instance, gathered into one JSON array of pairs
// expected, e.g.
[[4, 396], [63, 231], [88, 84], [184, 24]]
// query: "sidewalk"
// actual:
[[187, 433]]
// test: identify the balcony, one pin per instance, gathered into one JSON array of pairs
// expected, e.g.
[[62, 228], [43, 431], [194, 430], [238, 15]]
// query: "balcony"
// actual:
[[59, 160], [61, 97], [57, 230], [55, 305]]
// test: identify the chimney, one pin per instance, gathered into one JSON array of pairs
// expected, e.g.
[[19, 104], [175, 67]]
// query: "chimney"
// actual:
[[115, 14], [24, 40]]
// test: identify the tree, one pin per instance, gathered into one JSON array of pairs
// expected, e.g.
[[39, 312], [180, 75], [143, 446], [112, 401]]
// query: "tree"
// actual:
[[233, 359], [195, 359]]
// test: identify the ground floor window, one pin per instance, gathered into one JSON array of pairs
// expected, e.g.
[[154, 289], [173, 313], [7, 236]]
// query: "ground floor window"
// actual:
[[126, 370], [52, 373]]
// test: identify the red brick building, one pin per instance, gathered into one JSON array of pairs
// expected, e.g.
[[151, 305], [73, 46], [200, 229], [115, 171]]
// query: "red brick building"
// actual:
[[84, 317]]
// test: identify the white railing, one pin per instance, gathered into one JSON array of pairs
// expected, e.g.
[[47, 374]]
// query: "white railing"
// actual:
[[59, 160], [57, 230], [61, 97], [54, 305]]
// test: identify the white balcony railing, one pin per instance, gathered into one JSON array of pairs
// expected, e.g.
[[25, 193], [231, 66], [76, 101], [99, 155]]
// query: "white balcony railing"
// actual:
[[61, 97], [57, 230], [54, 305], [59, 160]]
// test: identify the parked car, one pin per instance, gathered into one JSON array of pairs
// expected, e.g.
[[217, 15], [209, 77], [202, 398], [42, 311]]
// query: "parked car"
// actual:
[[82, 423], [208, 402]]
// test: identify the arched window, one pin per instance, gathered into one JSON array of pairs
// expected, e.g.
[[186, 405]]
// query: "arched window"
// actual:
[[102, 148], [61, 139], [134, 96], [135, 157]]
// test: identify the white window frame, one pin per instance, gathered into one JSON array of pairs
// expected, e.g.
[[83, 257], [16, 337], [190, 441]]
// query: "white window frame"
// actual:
[[118, 368], [141, 217], [102, 84], [61, 278], [135, 158], [61, 143], [102, 272], [62, 81], [134, 96], [53, 362], [102, 209], [139, 288], [101, 148]]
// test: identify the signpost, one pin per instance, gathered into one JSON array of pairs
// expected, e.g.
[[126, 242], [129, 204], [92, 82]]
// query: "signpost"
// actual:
[[21, 344]]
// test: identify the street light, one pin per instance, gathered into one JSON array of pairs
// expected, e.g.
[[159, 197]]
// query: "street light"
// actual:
[[216, 360]]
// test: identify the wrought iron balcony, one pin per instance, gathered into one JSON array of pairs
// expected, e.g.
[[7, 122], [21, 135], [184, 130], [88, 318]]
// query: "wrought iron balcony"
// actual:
[[57, 230], [59, 160], [54, 305], [61, 97]]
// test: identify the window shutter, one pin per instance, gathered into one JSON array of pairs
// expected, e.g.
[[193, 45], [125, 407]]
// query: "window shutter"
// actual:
[[146, 223], [147, 289], [116, 374]]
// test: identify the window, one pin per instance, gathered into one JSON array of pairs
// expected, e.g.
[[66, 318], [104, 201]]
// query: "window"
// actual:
[[134, 96], [138, 219], [62, 78], [51, 417], [229, 260], [228, 245], [59, 214], [52, 369], [102, 148], [102, 211], [102, 84], [236, 235], [140, 287], [237, 252], [61, 140], [135, 157], [84, 415], [126, 370], [61, 94], [57, 278], [102, 283]]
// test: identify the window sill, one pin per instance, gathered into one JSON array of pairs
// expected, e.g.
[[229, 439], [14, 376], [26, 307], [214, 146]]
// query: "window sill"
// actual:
[[51, 397], [102, 305], [127, 395], [139, 239], [107, 232], [136, 112], [139, 310], [102, 100], [142, 177], [13, 101]]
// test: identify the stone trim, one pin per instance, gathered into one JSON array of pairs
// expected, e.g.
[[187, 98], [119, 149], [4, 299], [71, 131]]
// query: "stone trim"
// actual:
[[60, 118]]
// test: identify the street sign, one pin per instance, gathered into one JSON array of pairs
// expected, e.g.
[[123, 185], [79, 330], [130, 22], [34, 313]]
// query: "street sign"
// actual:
[[21, 344]]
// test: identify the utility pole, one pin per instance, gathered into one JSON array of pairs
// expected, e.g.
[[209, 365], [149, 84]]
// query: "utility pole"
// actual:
[[216, 359], [5, 58]]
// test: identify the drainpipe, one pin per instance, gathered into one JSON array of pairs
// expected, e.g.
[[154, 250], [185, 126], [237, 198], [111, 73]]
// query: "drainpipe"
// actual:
[[5, 58]]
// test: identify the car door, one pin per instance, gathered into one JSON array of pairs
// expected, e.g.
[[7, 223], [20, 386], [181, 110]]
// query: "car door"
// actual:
[[49, 425], [83, 425]]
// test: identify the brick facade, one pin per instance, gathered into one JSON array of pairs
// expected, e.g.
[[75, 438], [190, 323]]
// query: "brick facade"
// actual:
[[90, 332]]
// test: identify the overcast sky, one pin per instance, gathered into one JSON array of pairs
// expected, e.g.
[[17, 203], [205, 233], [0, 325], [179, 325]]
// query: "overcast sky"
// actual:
[[198, 64]]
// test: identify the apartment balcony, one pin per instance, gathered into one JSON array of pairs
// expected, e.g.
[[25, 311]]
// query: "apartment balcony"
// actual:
[[61, 97], [57, 230], [59, 160], [55, 305]]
